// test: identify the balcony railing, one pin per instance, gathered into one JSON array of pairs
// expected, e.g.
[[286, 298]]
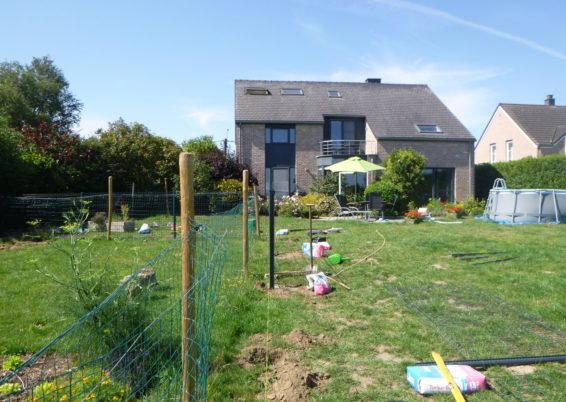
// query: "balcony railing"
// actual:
[[342, 147]]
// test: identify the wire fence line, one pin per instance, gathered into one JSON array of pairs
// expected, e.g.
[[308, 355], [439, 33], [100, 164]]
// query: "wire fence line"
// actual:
[[129, 346]]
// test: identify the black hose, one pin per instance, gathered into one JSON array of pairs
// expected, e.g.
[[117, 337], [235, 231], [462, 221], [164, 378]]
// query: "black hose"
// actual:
[[505, 361]]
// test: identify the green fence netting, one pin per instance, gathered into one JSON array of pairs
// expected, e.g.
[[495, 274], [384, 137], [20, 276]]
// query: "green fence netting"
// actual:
[[129, 346], [460, 314]]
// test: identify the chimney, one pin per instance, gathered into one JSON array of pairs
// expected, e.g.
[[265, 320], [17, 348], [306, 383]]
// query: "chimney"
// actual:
[[549, 101], [373, 80]]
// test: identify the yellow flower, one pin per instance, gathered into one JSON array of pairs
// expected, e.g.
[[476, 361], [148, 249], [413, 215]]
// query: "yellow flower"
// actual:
[[64, 398], [90, 396], [115, 398], [86, 380], [105, 382]]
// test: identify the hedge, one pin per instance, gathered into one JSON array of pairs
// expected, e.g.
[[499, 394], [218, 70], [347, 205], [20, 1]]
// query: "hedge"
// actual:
[[546, 172]]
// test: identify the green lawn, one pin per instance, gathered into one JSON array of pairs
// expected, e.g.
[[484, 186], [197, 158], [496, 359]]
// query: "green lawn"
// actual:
[[408, 297]]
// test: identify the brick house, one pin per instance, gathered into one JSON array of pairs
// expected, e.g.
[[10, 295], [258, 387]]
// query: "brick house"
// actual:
[[288, 131], [516, 131]]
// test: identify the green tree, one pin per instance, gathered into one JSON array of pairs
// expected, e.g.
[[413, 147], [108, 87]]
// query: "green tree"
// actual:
[[211, 164], [403, 169], [37, 93], [132, 154]]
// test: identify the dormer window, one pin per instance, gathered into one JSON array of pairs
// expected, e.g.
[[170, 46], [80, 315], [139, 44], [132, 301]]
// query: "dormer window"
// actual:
[[257, 91], [428, 128], [334, 94], [292, 91]]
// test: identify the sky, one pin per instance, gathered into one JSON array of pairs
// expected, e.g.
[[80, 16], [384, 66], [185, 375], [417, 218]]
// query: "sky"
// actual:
[[171, 64]]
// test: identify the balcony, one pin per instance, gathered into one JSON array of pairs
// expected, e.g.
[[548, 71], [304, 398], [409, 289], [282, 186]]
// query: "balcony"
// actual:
[[342, 147]]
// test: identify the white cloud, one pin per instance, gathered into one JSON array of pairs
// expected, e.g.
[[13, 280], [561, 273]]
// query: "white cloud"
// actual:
[[418, 8], [206, 118]]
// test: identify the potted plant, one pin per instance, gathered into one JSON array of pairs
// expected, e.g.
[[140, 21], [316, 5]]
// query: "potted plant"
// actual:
[[454, 211], [129, 224], [413, 216]]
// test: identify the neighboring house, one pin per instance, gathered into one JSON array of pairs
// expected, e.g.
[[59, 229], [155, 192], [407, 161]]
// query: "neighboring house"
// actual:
[[288, 131], [516, 131]]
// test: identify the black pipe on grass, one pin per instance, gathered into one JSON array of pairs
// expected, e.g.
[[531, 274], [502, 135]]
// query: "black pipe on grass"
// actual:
[[503, 361]]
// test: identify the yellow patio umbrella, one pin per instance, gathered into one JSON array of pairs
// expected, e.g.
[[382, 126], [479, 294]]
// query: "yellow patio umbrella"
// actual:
[[355, 164]]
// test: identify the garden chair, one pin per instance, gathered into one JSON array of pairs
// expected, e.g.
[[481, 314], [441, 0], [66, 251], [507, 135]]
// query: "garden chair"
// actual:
[[346, 209], [375, 203]]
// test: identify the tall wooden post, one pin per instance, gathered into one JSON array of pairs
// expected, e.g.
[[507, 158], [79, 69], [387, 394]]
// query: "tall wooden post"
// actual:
[[256, 206], [109, 228], [245, 181], [188, 249]]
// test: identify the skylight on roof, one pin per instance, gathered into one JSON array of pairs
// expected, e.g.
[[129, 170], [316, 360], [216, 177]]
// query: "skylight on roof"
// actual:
[[428, 128], [334, 94], [257, 91], [292, 91]]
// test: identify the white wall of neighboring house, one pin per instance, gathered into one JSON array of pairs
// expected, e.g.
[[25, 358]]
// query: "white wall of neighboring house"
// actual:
[[502, 128]]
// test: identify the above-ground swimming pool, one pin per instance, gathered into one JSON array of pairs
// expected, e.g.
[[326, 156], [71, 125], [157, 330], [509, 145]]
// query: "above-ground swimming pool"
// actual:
[[526, 206]]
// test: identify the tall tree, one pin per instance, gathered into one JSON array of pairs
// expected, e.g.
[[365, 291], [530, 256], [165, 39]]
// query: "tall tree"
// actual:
[[132, 154], [37, 93]]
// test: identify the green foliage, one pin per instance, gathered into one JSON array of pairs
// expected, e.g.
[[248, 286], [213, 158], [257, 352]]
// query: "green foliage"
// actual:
[[200, 145], [403, 169], [473, 206], [12, 362], [546, 172], [10, 388], [229, 186], [132, 154], [327, 184], [125, 210], [87, 284], [387, 189], [81, 386], [37, 93], [485, 175], [295, 205], [436, 207]]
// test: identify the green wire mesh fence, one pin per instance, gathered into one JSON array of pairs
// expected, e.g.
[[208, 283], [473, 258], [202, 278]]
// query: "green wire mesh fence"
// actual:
[[129, 346], [460, 314], [139, 215]]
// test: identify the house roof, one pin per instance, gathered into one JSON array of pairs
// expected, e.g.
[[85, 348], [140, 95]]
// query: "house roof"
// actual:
[[391, 110], [544, 124]]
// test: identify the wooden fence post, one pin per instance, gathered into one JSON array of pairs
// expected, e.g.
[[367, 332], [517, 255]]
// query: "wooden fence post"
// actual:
[[109, 228], [188, 250], [245, 181]]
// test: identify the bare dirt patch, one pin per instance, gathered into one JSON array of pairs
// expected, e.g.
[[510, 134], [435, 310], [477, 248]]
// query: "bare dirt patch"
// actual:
[[290, 255], [300, 338], [285, 379], [18, 244], [382, 353], [289, 381], [44, 368], [439, 265], [284, 290], [522, 370], [258, 355]]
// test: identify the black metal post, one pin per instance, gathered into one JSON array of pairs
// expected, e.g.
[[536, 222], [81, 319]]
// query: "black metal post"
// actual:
[[174, 215], [271, 240]]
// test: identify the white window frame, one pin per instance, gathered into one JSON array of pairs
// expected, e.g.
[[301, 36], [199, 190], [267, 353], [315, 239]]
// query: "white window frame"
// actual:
[[509, 150], [492, 153]]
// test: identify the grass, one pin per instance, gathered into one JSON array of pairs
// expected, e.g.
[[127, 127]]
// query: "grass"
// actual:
[[409, 297]]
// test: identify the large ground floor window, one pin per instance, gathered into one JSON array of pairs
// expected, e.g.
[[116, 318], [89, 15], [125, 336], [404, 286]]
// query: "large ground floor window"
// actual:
[[281, 180], [438, 183]]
